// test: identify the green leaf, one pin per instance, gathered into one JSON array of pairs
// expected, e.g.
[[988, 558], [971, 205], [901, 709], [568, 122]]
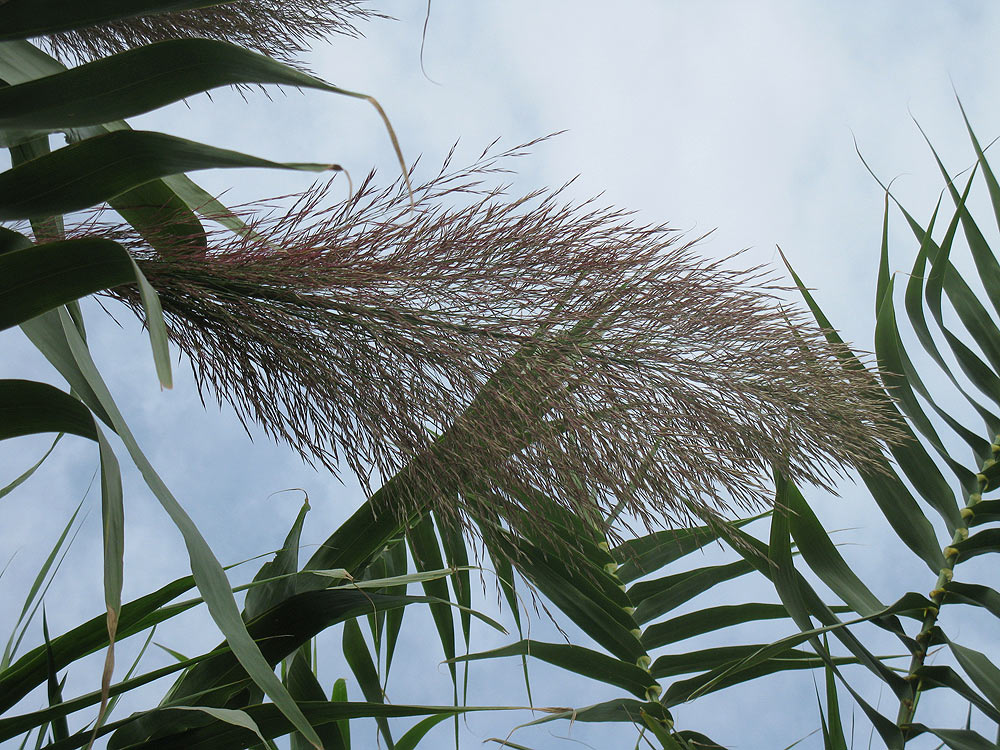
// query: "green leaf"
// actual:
[[28, 408], [270, 721], [837, 739], [987, 511], [795, 595], [577, 659], [227, 715], [11, 240], [286, 561], [974, 368], [138, 81], [672, 665], [339, 695], [987, 540], [427, 556], [456, 555], [51, 227], [22, 19], [280, 631], [417, 732], [654, 551], [983, 672], [959, 739], [711, 619], [971, 593], [60, 728], [935, 676], [727, 675], [359, 659], [303, 686], [599, 617], [911, 455], [97, 169], [208, 573], [26, 475], [890, 494], [654, 598], [39, 278], [30, 670], [620, 710], [822, 556], [982, 255], [15, 725], [913, 302], [395, 565]]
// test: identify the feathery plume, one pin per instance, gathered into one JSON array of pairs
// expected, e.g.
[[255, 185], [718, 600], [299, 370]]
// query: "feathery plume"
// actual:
[[502, 347], [279, 29]]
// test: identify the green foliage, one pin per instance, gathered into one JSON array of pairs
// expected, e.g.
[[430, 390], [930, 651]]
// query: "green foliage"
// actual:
[[518, 406]]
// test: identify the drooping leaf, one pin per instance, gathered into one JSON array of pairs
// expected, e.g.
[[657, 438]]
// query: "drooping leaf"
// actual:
[[138, 81], [987, 540], [209, 574], [86, 173], [654, 598], [29, 671], [23, 20], [890, 494], [654, 551], [286, 561], [824, 559], [935, 676], [577, 659], [359, 659], [958, 739], [975, 594], [711, 619]]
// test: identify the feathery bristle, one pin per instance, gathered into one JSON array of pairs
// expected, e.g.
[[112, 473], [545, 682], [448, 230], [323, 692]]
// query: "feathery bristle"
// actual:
[[501, 347], [281, 30]]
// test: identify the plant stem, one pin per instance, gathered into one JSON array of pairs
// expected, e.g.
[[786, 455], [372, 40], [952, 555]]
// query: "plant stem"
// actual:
[[908, 704]]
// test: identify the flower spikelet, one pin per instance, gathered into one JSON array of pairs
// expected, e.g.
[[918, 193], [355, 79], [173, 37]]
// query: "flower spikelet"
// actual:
[[502, 348]]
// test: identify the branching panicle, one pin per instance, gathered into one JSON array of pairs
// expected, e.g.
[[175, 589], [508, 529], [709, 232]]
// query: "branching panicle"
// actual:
[[498, 348], [275, 28]]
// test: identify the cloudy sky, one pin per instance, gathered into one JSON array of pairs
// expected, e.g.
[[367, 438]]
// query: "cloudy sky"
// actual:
[[737, 117]]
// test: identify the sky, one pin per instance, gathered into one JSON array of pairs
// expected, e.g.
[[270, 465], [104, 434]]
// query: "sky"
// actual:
[[737, 118]]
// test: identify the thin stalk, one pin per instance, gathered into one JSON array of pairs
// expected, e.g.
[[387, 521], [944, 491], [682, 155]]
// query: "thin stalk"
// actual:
[[908, 704]]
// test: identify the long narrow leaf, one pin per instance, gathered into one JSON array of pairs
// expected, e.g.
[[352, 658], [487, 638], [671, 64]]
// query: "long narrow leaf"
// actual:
[[138, 81], [577, 659], [91, 171]]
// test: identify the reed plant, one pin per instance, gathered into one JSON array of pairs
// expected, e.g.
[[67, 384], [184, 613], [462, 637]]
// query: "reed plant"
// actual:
[[577, 399]]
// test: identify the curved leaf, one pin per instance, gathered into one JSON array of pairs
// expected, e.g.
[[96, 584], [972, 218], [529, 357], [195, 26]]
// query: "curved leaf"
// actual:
[[672, 665], [649, 553], [979, 543], [29, 671], [582, 661], [39, 278], [22, 19], [823, 558], [28, 408], [946, 677], [959, 739], [971, 593], [359, 659], [654, 598], [138, 81], [94, 170], [708, 620]]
